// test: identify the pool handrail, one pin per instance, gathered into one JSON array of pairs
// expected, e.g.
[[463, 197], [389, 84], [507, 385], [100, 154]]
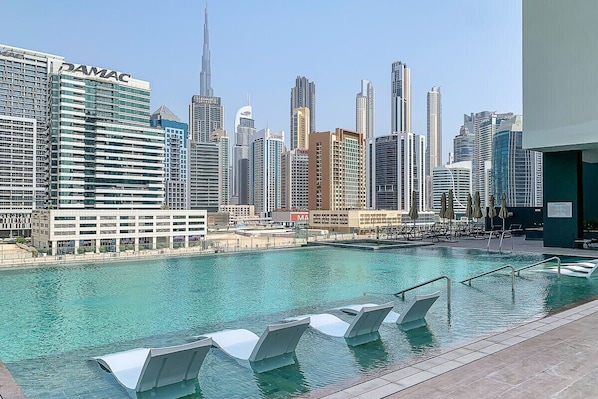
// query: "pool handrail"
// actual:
[[542, 262], [448, 289], [494, 271]]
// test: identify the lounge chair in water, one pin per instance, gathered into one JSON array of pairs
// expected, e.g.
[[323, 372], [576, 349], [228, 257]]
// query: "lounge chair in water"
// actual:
[[413, 315], [167, 372], [273, 349], [362, 329]]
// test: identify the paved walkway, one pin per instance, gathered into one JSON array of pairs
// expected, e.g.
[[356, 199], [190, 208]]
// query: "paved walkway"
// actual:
[[552, 357]]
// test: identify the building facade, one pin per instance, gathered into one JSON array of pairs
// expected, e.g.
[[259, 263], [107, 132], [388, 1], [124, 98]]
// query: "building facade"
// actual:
[[463, 145], [364, 110], [396, 168], [295, 180], [104, 153], [24, 119], [244, 130], [434, 130], [203, 185], [176, 137], [336, 170], [303, 95], [514, 168], [400, 98], [456, 177], [300, 128], [69, 231], [265, 170], [206, 114]]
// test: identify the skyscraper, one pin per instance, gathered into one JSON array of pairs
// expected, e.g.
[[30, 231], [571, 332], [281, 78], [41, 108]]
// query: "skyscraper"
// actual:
[[206, 114], [205, 76], [244, 130], [400, 98], [300, 128], [295, 179], [463, 145], [396, 168], [24, 135], [176, 137], [265, 173], [434, 133], [456, 177], [364, 110], [336, 170], [304, 95], [103, 156], [514, 169]]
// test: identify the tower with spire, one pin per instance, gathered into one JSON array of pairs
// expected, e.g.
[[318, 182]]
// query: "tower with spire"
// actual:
[[205, 77], [208, 182]]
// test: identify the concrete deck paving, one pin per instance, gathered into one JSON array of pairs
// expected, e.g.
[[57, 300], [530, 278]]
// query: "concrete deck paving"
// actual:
[[552, 357]]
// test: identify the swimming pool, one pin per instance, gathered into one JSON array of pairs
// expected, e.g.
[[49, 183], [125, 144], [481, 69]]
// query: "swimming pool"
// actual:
[[55, 319]]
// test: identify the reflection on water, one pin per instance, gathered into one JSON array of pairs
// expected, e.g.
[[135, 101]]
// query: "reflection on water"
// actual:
[[420, 338], [370, 355], [282, 382]]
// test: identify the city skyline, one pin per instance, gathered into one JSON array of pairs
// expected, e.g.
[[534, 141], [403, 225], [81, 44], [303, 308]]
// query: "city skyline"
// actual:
[[461, 64]]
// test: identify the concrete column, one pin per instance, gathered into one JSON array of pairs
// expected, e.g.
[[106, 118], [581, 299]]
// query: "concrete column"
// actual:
[[97, 246], [154, 241], [117, 249], [186, 241], [54, 247], [171, 242], [136, 244]]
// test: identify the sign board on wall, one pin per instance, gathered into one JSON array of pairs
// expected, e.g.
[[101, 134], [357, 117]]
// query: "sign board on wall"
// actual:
[[559, 210]]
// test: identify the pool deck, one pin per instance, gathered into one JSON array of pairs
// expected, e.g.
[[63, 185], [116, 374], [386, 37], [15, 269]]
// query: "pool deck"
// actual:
[[551, 357]]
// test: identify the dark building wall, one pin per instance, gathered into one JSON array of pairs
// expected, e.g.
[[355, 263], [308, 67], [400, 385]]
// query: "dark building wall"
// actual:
[[563, 183], [590, 192]]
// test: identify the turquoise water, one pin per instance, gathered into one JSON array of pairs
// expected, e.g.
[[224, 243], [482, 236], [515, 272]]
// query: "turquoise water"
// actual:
[[55, 319]]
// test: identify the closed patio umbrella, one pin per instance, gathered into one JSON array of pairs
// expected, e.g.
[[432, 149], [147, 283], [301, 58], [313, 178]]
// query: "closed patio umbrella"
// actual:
[[477, 208], [413, 210], [469, 207], [491, 211], [450, 209], [503, 213], [442, 213]]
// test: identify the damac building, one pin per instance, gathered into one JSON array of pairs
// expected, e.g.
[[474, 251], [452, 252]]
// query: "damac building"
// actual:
[[104, 154]]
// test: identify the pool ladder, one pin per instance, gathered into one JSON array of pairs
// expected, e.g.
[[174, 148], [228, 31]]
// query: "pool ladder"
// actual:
[[518, 271]]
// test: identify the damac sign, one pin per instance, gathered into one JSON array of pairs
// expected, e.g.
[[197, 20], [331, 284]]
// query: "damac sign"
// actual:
[[94, 71]]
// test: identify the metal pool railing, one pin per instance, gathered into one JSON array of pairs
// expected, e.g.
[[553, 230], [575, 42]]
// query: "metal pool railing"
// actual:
[[448, 288]]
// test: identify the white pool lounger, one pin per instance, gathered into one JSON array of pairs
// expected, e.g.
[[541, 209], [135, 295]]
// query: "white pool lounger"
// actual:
[[170, 370], [412, 315], [273, 349], [585, 269], [366, 323]]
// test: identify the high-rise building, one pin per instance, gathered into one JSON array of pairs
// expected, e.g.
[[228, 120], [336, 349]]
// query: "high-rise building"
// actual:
[[176, 137], [514, 168], [220, 138], [364, 110], [104, 153], [205, 76], [295, 181], [336, 170], [206, 114], [463, 145], [203, 184], [304, 95], [483, 125], [434, 131], [24, 141], [456, 177], [265, 172], [400, 98], [300, 128], [396, 168], [244, 130]]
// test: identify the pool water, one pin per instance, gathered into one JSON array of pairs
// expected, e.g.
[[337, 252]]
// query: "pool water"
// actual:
[[55, 319]]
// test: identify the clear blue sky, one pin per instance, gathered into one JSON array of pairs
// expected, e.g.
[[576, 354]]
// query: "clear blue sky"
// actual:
[[471, 48]]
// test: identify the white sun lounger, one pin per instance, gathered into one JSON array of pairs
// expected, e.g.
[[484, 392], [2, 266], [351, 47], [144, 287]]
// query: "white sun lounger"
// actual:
[[415, 310], [367, 321], [273, 349], [144, 369]]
